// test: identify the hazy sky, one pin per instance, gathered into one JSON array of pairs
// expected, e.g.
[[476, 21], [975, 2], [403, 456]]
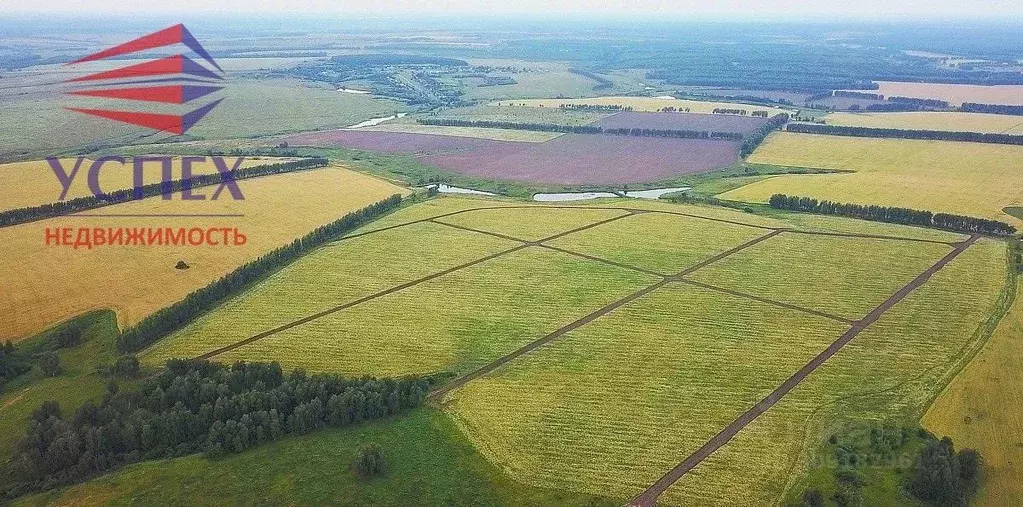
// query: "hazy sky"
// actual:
[[674, 8]]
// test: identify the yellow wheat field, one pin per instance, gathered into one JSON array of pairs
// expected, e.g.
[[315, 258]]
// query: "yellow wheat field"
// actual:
[[942, 176], [24, 184], [932, 120], [41, 285], [980, 409]]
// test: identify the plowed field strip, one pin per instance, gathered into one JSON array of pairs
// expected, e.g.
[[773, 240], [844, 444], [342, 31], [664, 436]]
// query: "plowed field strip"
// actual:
[[768, 301]]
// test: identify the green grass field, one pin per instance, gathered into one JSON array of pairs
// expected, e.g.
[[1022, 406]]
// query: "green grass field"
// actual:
[[839, 275], [77, 382], [889, 372], [663, 243], [333, 275], [608, 407], [614, 405], [513, 114], [454, 323], [429, 463]]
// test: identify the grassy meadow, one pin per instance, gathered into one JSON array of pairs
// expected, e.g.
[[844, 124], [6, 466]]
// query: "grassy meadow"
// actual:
[[429, 462], [941, 176]]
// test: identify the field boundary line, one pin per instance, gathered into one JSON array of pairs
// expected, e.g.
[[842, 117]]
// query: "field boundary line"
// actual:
[[631, 210], [535, 344], [876, 236], [781, 304], [648, 498], [375, 295], [529, 347]]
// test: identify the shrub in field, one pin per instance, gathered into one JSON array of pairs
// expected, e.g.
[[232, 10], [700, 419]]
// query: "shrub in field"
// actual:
[[943, 477], [370, 462], [50, 364]]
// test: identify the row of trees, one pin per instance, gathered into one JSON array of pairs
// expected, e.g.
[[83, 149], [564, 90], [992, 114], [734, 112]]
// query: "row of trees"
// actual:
[[22, 215], [584, 129], [920, 102], [973, 107], [858, 95], [958, 223], [603, 83], [198, 406], [934, 135], [172, 317], [757, 136], [12, 363]]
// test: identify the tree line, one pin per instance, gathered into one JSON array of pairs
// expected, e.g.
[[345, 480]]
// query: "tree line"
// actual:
[[858, 95], [919, 102], [584, 129], [168, 319], [895, 215], [603, 83], [932, 135], [23, 215], [197, 406], [973, 107], [757, 136]]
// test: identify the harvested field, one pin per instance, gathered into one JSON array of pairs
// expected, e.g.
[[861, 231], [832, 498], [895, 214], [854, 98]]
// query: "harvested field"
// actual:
[[682, 121], [578, 159], [137, 280], [954, 94], [932, 120], [941, 176], [24, 184]]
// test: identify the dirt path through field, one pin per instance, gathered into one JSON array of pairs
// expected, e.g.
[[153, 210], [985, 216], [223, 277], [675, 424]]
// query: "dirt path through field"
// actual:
[[649, 497]]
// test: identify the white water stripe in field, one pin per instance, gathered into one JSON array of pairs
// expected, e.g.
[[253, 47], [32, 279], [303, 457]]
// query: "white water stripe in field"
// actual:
[[448, 189], [582, 196], [350, 90], [376, 121]]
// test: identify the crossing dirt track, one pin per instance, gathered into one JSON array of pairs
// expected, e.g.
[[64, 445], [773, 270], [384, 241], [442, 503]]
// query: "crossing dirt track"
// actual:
[[751, 237]]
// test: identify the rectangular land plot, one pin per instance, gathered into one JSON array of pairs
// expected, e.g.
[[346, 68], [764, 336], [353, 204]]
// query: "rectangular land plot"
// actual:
[[336, 274], [454, 323], [845, 276], [531, 223], [613, 405], [890, 372], [659, 242]]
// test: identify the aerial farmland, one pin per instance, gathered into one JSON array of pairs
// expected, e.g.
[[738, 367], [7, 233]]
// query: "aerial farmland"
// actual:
[[294, 255]]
